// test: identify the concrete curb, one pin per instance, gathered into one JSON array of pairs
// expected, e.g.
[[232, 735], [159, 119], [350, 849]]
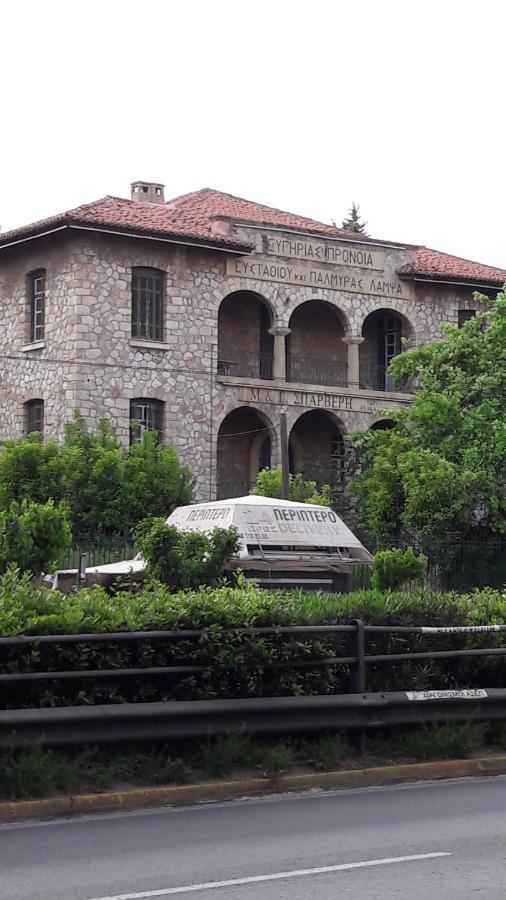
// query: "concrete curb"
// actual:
[[188, 794]]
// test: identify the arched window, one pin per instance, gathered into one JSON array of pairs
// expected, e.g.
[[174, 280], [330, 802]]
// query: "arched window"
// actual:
[[37, 304], [34, 416], [145, 414], [147, 304]]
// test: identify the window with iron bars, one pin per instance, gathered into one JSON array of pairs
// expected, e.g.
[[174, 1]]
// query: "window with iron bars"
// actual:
[[147, 304], [34, 416], [145, 414], [37, 298]]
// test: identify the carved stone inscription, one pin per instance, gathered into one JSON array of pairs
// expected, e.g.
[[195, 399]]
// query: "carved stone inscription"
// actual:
[[313, 399], [319, 251], [305, 273]]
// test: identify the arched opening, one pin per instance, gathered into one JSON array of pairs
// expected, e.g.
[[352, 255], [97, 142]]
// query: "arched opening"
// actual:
[[382, 425], [316, 353], [244, 447], [383, 332], [245, 347], [317, 449]]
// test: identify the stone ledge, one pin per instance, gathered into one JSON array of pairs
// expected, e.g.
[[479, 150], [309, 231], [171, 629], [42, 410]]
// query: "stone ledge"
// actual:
[[33, 345], [149, 345], [351, 391]]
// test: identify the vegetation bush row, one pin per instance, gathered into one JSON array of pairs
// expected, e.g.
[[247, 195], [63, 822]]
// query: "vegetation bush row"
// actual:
[[107, 488], [237, 663], [39, 772]]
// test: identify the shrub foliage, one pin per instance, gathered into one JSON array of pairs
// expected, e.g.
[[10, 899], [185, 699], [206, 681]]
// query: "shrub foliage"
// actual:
[[393, 568], [185, 559], [235, 663], [108, 488], [33, 536]]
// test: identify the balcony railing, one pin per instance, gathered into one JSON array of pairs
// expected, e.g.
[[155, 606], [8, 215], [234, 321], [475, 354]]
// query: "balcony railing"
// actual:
[[245, 364], [376, 378], [311, 370]]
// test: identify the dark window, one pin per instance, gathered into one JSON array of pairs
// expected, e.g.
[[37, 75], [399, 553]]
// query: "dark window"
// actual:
[[264, 455], [37, 298], [465, 315], [145, 414], [147, 304], [34, 416]]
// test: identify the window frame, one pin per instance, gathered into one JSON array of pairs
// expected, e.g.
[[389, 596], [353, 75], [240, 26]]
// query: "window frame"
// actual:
[[148, 303], [150, 420], [34, 411], [37, 304]]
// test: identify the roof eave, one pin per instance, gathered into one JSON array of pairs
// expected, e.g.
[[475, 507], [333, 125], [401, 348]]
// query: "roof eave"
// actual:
[[496, 284], [164, 237]]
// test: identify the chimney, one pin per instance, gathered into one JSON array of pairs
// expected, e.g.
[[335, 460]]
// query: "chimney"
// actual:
[[147, 192]]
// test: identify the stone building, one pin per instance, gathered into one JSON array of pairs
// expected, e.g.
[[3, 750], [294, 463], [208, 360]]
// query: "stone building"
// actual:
[[206, 317]]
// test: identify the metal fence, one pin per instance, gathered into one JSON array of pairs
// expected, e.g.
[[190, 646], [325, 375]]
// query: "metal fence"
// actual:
[[98, 552], [356, 708], [451, 565]]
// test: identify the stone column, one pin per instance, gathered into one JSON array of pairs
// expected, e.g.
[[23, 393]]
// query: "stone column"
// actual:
[[279, 358], [353, 342]]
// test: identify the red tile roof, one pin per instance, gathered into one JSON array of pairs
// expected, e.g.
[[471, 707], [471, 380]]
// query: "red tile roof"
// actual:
[[191, 218], [207, 204], [443, 266]]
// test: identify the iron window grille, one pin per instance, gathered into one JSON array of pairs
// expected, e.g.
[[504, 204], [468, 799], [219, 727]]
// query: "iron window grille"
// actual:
[[145, 415], [34, 416], [147, 304], [37, 281]]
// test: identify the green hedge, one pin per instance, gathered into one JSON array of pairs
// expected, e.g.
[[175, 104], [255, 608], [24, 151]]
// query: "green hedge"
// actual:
[[26, 610]]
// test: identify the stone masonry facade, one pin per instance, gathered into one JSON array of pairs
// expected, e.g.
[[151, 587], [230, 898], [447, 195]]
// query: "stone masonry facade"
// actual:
[[88, 359]]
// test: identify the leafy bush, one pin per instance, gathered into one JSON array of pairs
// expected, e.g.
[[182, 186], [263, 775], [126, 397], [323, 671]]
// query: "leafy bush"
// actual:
[[33, 536], [108, 488], [439, 472], [269, 482], [235, 663], [185, 559], [392, 568]]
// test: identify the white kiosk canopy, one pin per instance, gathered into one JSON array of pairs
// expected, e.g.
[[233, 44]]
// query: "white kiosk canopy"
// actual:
[[270, 524]]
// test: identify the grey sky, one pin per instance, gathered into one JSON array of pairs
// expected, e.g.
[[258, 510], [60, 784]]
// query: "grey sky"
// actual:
[[302, 105]]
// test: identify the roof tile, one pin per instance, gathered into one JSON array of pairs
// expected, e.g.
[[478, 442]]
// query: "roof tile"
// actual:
[[192, 218]]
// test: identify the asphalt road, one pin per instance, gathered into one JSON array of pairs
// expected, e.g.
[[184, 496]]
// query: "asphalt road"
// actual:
[[438, 841]]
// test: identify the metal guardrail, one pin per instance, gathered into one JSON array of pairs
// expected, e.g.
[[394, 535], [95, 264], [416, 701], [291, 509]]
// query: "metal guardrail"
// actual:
[[196, 718]]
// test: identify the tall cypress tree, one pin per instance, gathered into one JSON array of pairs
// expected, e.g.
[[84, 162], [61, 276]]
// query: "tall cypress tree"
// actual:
[[353, 221]]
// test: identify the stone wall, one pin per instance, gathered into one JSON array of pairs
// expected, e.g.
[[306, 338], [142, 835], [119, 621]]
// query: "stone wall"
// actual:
[[89, 360]]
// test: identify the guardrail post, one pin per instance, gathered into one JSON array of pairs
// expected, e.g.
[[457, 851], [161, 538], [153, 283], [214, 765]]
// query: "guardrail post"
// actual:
[[357, 685]]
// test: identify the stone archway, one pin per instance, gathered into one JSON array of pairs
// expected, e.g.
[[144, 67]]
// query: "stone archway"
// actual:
[[382, 425], [317, 448], [245, 345], [383, 332], [243, 448], [315, 350]]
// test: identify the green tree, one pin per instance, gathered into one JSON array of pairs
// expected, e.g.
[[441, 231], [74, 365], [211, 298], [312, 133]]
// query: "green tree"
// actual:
[[440, 472], [185, 559], [108, 489], [33, 536], [269, 481], [353, 222], [392, 568]]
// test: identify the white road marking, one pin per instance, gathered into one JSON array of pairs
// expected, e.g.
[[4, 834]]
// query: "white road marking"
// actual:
[[277, 876]]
